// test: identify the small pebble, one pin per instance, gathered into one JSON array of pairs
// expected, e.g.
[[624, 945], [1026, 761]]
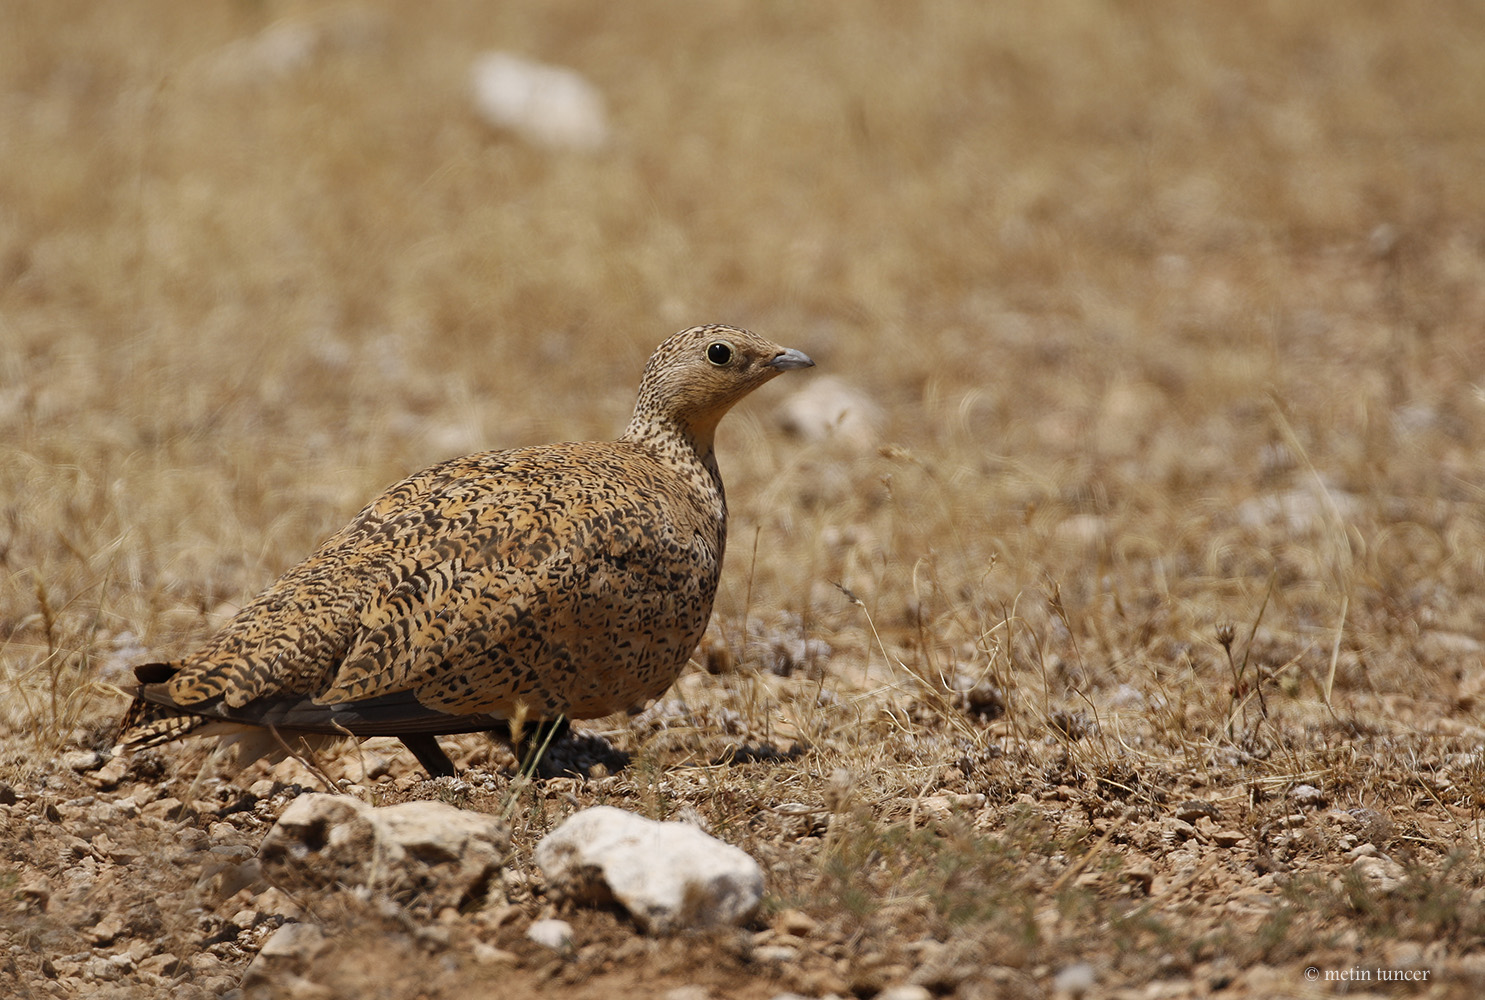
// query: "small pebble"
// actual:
[[159, 964], [83, 760], [166, 808], [796, 922], [294, 941], [1074, 980], [775, 953], [1173, 829], [553, 934], [488, 954], [1307, 795], [1141, 873], [905, 992], [1193, 809], [687, 993], [244, 918], [110, 774]]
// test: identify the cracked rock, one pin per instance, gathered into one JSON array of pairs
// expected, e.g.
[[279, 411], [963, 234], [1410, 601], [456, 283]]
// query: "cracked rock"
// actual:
[[428, 852]]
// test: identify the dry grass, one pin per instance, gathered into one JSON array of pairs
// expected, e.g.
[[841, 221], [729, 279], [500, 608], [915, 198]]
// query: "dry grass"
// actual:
[[1174, 313]]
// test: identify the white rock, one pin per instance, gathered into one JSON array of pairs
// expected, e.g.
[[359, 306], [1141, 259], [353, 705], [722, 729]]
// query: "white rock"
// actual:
[[288, 47], [831, 408], [1298, 511], [776, 954], [908, 991], [280, 49], [1127, 696], [1380, 873], [553, 934], [687, 993], [1307, 795], [1074, 980], [83, 760], [545, 105], [669, 876]]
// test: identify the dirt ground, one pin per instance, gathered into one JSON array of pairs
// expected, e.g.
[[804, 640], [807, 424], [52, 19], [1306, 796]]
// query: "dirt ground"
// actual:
[[1102, 615]]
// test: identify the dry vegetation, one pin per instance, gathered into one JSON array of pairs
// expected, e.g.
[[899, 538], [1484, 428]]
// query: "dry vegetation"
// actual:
[[1175, 316]]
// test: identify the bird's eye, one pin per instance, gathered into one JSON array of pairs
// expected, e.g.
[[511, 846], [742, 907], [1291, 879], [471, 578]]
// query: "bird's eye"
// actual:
[[719, 353]]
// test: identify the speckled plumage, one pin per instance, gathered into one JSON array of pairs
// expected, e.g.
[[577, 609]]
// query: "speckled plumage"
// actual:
[[557, 580]]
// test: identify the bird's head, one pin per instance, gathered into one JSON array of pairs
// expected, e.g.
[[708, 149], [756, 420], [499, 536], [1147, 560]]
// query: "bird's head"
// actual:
[[696, 376]]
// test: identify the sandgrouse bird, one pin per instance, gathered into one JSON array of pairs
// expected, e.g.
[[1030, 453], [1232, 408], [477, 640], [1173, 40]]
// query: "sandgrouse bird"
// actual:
[[557, 581]]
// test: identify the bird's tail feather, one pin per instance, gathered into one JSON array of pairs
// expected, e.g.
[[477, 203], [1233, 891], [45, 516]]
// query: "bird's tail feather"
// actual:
[[149, 724]]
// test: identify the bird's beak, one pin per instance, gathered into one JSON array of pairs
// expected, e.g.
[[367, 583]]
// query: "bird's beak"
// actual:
[[789, 359]]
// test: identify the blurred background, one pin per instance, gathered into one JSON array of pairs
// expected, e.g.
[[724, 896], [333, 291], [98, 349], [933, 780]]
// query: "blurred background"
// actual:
[[1131, 318]]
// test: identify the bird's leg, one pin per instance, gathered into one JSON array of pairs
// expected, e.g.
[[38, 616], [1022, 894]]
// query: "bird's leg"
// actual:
[[297, 746], [529, 742], [429, 754], [551, 731]]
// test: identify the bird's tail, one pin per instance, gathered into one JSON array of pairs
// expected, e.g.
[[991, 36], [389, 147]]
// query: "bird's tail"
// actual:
[[149, 723], [152, 720]]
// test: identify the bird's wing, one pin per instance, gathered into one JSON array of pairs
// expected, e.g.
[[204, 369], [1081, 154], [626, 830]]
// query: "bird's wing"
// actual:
[[473, 588], [156, 718], [520, 614], [290, 639]]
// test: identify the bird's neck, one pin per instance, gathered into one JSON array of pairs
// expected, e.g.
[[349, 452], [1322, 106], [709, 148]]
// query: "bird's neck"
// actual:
[[686, 447]]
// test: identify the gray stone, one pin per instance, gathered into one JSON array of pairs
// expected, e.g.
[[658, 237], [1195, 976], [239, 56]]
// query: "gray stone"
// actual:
[[1380, 873], [299, 942], [428, 853], [287, 950]]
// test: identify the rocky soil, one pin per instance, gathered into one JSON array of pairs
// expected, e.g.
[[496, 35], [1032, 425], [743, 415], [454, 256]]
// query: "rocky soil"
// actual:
[[1023, 869]]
